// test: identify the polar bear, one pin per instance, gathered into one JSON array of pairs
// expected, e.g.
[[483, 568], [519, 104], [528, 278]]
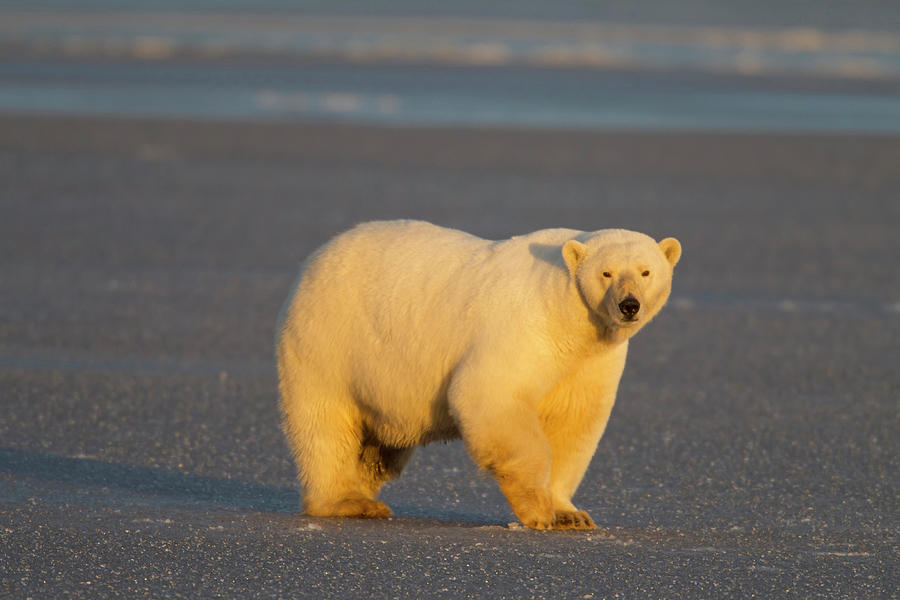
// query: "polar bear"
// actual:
[[400, 333]]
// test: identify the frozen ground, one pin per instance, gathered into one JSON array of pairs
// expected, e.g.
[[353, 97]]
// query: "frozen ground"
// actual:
[[753, 450]]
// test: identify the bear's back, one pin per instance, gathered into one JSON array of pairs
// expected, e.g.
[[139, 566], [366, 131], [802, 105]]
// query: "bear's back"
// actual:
[[396, 258]]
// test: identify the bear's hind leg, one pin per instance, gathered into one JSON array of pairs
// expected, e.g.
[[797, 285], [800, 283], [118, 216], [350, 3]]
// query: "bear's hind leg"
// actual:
[[326, 440], [380, 464], [376, 465], [346, 491]]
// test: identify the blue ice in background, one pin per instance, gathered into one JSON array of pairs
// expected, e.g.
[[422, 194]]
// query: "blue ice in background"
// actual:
[[700, 65]]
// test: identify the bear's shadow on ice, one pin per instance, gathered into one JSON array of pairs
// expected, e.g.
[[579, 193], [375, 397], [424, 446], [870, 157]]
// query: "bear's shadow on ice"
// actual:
[[146, 482], [70, 477]]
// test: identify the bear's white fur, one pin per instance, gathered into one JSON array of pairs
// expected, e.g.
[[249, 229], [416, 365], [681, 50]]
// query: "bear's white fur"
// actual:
[[400, 333]]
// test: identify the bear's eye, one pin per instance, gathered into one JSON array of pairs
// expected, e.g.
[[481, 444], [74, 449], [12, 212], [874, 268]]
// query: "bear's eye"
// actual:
[[607, 274], [645, 274]]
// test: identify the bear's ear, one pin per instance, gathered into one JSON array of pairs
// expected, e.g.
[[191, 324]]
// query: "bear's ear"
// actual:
[[573, 252], [672, 250]]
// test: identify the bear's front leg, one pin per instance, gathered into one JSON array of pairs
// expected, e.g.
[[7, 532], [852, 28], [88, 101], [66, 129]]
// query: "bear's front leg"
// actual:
[[532, 505], [503, 435], [519, 459]]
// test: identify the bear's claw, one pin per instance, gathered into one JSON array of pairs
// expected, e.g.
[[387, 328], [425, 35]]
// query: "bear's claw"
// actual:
[[578, 519], [563, 519]]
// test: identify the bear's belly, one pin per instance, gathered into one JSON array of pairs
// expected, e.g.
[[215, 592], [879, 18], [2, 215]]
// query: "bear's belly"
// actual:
[[410, 422], [410, 431], [403, 404]]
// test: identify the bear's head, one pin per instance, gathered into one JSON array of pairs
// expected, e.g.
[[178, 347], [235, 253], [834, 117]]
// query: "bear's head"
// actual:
[[623, 277]]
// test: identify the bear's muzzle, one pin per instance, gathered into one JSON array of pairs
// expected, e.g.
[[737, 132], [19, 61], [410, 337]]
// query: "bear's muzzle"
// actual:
[[629, 308]]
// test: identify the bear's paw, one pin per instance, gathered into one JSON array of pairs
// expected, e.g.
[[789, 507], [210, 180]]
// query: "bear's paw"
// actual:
[[573, 519], [361, 508]]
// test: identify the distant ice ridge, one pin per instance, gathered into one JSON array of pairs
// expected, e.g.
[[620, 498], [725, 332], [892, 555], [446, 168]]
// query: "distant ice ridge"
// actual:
[[456, 41]]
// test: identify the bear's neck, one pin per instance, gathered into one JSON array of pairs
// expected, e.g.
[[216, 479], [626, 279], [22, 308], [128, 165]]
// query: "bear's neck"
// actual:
[[576, 329]]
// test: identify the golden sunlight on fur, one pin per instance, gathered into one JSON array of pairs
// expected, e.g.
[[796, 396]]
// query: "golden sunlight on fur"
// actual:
[[401, 333]]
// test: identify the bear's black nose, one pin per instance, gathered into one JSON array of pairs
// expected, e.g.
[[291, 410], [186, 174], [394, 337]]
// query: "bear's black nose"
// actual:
[[629, 307]]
